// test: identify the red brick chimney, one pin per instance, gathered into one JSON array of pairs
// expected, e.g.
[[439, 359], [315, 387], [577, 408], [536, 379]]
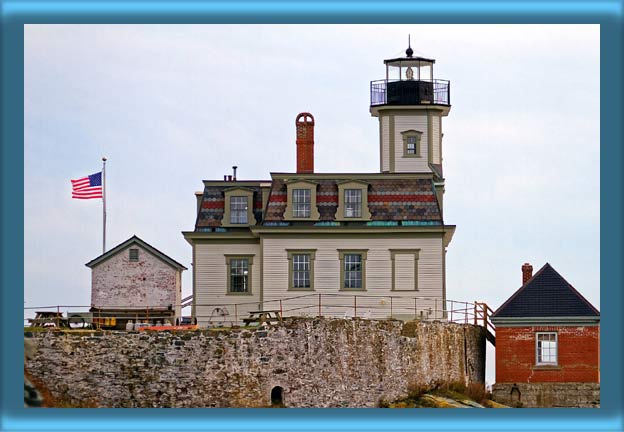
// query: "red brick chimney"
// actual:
[[305, 143], [527, 272]]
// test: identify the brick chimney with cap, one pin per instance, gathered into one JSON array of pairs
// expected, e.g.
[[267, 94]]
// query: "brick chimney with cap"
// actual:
[[305, 143], [527, 272]]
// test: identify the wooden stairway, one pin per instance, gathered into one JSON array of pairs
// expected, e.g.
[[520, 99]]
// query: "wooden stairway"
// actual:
[[482, 314]]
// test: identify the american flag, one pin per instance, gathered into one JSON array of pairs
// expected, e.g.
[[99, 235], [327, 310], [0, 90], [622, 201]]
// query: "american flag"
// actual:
[[87, 187]]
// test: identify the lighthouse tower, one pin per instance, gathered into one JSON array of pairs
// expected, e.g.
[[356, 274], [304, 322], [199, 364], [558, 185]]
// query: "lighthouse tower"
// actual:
[[410, 105]]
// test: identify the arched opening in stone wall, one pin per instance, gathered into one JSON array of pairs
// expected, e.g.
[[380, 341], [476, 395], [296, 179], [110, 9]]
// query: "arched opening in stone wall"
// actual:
[[277, 396]]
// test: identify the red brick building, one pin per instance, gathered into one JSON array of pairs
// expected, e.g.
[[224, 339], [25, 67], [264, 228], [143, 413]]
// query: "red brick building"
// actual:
[[547, 344]]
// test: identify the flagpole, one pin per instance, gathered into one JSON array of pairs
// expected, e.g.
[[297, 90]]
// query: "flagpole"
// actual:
[[103, 204]]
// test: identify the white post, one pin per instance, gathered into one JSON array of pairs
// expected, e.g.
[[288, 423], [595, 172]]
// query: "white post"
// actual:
[[103, 205]]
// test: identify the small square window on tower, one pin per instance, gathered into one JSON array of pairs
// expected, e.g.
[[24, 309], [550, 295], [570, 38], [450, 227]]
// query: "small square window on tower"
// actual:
[[133, 255], [411, 143]]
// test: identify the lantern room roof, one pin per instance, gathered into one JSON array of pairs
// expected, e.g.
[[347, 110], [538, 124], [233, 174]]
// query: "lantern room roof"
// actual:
[[409, 61]]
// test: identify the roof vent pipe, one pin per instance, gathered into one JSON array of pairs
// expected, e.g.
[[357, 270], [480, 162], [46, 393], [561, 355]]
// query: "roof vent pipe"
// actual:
[[234, 172]]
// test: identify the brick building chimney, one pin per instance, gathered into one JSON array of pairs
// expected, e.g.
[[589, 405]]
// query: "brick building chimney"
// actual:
[[527, 272], [305, 143]]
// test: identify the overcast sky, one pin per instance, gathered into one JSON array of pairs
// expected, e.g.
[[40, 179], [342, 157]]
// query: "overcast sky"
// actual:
[[172, 105]]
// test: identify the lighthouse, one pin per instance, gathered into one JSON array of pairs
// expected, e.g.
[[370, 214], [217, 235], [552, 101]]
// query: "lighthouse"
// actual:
[[410, 104]]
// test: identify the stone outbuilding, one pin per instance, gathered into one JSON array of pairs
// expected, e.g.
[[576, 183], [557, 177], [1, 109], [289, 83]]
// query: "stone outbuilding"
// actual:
[[135, 281], [547, 345]]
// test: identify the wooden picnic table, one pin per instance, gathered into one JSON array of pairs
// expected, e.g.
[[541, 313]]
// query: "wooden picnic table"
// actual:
[[44, 318], [263, 317]]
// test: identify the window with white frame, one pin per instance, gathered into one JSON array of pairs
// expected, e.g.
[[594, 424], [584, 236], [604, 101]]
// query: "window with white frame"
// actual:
[[302, 201], [238, 210], [353, 203], [546, 348], [301, 271], [412, 143], [239, 275], [352, 271]]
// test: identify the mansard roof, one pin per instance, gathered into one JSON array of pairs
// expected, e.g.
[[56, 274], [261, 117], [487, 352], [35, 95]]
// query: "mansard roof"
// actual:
[[134, 240], [546, 294], [405, 199]]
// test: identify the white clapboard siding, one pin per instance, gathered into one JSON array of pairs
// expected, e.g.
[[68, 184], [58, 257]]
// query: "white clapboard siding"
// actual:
[[436, 153], [376, 298], [385, 144], [402, 124], [211, 281]]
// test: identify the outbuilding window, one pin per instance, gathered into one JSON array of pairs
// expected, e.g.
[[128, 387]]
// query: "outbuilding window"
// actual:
[[546, 348], [133, 255]]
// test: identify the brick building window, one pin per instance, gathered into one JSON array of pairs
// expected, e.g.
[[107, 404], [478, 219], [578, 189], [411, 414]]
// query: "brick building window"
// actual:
[[133, 255], [546, 348]]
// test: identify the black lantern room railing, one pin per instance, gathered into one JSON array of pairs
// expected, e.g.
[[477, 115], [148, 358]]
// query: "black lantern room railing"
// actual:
[[410, 92]]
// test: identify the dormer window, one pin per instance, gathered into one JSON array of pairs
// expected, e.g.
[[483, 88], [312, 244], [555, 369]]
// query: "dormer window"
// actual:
[[353, 203], [238, 209], [301, 203]]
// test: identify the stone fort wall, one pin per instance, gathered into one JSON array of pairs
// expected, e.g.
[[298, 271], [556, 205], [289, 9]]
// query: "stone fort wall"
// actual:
[[309, 362]]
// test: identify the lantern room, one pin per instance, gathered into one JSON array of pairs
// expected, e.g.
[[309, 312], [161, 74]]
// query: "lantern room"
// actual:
[[409, 81]]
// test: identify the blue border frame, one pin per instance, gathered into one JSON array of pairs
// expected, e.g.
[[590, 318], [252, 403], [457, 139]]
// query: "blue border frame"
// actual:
[[17, 13]]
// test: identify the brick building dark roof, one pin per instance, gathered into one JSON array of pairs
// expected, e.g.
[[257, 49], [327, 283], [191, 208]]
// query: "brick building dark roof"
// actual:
[[546, 294], [406, 200]]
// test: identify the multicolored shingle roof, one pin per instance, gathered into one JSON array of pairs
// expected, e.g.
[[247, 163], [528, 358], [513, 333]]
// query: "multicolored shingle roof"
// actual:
[[213, 205], [407, 200]]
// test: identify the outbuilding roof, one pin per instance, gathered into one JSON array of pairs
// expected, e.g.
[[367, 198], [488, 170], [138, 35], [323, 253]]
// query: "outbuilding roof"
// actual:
[[146, 246], [546, 294]]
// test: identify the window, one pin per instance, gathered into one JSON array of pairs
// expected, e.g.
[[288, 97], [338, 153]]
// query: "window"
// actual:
[[238, 207], [353, 203], [301, 269], [352, 270], [238, 210], [239, 274], [133, 255], [301, 203], [411, 143], [546, 348]]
